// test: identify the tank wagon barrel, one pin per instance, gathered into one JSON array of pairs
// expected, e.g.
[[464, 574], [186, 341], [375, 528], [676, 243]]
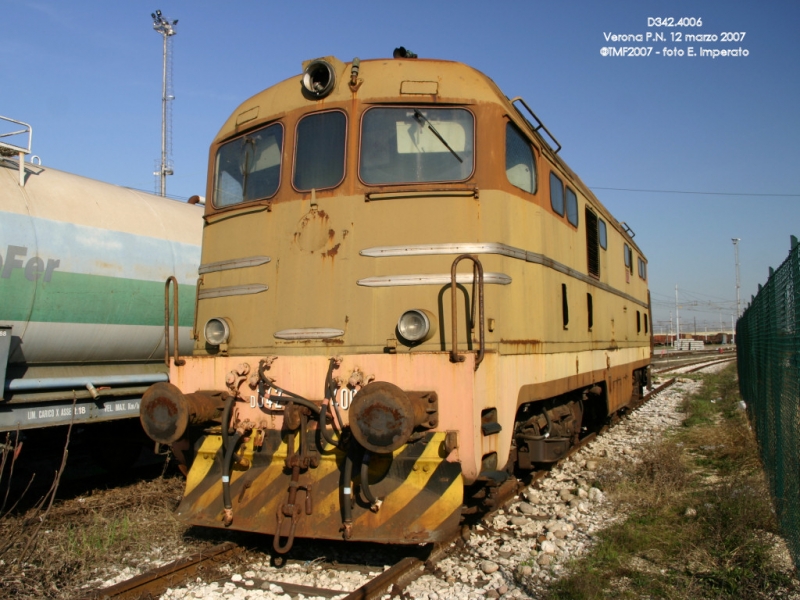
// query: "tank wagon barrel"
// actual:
[[82, 271], [406, 299]]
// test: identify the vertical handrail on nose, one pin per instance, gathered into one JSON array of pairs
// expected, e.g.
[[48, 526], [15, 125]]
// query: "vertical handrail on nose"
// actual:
[[178, 361], [477, 286]]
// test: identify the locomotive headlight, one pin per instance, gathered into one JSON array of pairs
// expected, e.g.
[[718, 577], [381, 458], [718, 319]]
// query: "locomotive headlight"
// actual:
[[415, 325], [217, 331], [319, 78]]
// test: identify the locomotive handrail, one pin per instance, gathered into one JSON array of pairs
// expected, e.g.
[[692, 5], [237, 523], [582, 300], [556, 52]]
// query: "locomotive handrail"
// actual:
[[533, 114], [477, 286], [178, 361]]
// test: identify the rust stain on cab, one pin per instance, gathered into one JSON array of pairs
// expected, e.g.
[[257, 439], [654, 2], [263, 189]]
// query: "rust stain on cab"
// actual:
[[520, 346]]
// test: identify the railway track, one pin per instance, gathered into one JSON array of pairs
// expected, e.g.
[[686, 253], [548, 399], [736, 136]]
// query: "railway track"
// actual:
[[153, 583], [210, 564], [697, 364]]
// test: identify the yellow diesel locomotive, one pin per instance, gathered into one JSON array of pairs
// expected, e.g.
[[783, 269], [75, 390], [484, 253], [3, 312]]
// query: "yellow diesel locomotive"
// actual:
[[405, 298]]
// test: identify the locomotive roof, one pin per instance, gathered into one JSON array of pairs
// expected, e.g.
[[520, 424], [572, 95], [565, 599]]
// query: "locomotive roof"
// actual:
[[384, 80], [457, 83]]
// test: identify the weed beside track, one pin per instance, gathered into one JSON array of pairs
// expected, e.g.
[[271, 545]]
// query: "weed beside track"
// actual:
[[700, 522], [55, 553]]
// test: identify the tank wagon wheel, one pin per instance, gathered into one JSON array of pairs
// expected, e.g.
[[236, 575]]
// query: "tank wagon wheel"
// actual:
[[118, 445]]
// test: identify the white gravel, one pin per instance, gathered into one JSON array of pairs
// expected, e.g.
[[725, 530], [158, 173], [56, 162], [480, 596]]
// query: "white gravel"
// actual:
[[260, 580], [527, 546]]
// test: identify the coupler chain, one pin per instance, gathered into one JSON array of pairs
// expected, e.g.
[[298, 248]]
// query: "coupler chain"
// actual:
[[296, 461]]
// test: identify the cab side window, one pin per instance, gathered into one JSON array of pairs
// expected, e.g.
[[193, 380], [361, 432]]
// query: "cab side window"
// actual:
[[602, 234], [572, 207], [556, 194], [249, 167], [520, 165]]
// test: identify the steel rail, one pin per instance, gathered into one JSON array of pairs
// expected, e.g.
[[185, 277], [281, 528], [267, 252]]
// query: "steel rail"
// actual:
[[154, 583], [401, 573], [705, 363], [716, 362]]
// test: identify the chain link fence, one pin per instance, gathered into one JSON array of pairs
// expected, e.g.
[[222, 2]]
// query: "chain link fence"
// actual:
[[768, 351]]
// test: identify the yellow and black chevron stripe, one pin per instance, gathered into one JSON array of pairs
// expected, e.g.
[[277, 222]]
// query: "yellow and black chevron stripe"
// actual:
[[422, 493]]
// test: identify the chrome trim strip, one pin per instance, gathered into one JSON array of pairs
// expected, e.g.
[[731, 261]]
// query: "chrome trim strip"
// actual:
[[432, 249], [496, 248], [308, 333], [371, 196], [236, 263], [432, 279], [234, 290]]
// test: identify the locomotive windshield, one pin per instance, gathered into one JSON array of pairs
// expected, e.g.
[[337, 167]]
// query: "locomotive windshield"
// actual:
[[410, 145], [248, 168]]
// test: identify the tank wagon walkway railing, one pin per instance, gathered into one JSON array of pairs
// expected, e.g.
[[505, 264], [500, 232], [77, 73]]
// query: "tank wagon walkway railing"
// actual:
[[768, 350], [16, 143]]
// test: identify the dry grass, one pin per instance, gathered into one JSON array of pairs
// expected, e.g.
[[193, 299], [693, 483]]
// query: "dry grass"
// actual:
[[656, 481], [52, 554]]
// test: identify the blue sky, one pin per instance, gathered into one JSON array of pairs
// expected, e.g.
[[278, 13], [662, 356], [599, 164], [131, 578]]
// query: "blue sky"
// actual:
[[87, 76]]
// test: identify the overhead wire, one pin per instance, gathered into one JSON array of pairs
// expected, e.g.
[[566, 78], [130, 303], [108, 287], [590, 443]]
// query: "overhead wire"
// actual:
[[770, 195]]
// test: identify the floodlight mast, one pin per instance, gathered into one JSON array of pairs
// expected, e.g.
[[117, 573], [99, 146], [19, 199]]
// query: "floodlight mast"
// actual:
[[167, 29], [736, 252], [738, 304]]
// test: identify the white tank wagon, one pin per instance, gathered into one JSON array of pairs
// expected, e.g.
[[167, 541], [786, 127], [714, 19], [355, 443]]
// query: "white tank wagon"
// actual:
[[83, 266]]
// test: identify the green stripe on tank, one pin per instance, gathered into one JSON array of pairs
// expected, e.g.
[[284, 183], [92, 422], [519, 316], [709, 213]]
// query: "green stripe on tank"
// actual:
[[80, 298]]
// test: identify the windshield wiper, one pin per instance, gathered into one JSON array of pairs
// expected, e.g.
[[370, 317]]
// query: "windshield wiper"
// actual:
[[245, 165], [419, 116]]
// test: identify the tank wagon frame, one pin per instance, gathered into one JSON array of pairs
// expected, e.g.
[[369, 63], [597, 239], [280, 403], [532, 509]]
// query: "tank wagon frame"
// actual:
[[406, 297]]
